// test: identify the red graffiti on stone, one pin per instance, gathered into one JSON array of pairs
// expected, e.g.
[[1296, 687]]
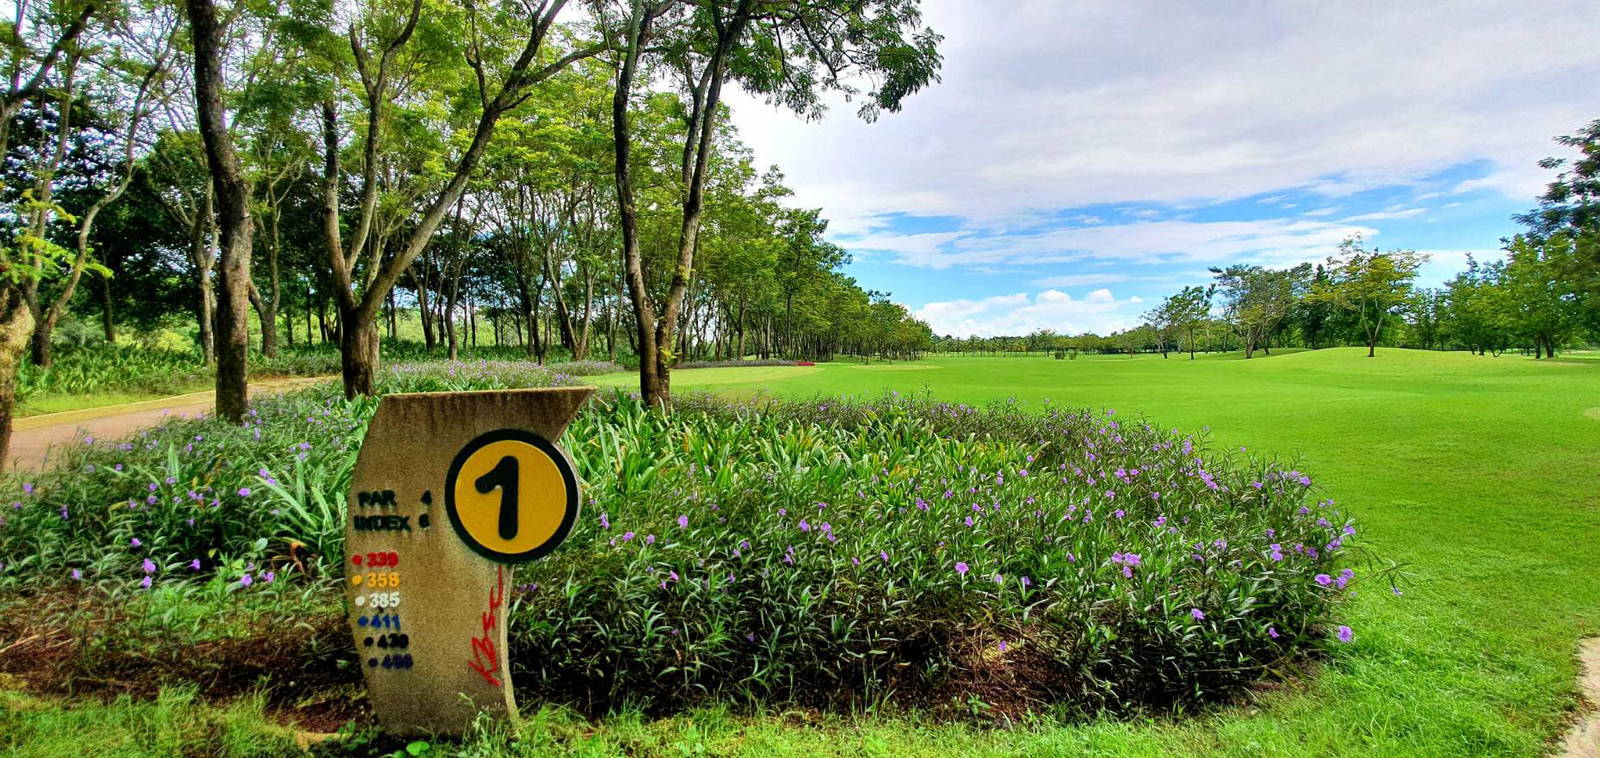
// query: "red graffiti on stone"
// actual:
[[485, 655]]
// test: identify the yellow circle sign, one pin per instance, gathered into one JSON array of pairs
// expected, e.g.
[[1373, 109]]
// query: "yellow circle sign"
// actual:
[[511, 495]]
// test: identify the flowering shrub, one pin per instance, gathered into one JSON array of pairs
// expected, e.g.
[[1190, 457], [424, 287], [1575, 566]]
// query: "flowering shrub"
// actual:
[[824, 551], [821, 552]]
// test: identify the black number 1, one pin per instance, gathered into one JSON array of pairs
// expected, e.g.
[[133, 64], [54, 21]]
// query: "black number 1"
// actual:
[[504, 476]]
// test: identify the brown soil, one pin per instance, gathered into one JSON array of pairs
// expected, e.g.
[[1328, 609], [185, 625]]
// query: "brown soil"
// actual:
[[1583, 740], [55, 644]]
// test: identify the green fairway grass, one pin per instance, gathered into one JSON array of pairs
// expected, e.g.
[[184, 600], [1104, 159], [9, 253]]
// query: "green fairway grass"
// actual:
[[1478, 473]]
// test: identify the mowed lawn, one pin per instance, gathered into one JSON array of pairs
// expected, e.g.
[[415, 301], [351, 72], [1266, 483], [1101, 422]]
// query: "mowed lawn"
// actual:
[[1481, 475]]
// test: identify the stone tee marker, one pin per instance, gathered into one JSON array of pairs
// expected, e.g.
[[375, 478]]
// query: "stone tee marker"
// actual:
[[448, 489]]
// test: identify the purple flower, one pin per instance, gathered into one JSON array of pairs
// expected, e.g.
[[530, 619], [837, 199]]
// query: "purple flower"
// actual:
[[77, 573], [1323, 579], [961, 568], [1002, 646], [1198, 614], [605, 523], [268, 577], [649, 539], [244, 492], [884, 555], [146, 582], [1345, 633], [134, 542], [148, 566], [194, 565], [1027, 582], [245, 581], [27, 487], [804, 527], [1272, 632], [627, 536], [683, 522]]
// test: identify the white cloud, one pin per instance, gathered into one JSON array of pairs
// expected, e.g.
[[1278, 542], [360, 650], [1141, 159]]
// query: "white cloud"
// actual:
[[1080, 280], [1052, 309], [1264, 241], [1056, 105], [1384, 215]]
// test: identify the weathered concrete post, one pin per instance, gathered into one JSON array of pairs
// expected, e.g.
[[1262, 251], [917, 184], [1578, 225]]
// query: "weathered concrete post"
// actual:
[[450, 488]]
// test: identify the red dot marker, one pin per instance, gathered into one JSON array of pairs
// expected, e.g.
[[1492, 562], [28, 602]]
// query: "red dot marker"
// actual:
[[356, 560]]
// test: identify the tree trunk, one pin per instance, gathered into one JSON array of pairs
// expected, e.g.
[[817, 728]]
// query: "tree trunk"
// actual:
[[233, 212], [651, 388], [108, 320], [267, 310], [267, 314], [16, 324], [208, 343], [358, 352], [426, 316], [42, 331], [450, 331]]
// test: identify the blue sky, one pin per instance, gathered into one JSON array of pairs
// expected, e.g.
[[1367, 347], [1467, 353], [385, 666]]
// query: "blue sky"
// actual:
[[1079, 161]]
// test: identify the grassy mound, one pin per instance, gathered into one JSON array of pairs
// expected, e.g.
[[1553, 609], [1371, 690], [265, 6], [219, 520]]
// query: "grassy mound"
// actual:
[[899, 551]]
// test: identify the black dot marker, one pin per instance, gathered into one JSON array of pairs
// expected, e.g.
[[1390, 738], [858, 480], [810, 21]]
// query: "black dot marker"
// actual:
[[373, 662], [368, 642], [422, 521]]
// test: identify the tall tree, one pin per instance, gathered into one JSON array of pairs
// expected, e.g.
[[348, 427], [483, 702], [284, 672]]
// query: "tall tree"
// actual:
[[236, 225], [1570, 205], [1545, 305], [787, 52], [1188, 310], [1256, 300], [1372, 284], [37, 40], [504, 53], [142, 65]]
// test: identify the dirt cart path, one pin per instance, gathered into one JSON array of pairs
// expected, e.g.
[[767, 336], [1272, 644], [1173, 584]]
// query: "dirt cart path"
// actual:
[[34, 437]]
